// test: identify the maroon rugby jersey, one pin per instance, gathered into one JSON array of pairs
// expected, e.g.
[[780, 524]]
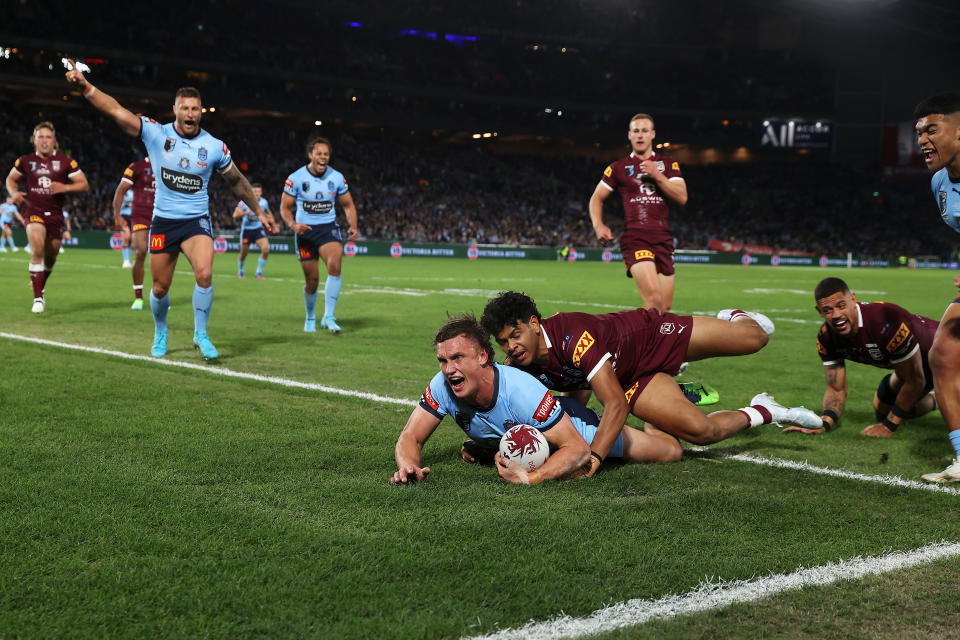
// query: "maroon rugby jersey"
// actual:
[[140, 175], [644, 206], [637, 343], [40, 172], [887, 335]]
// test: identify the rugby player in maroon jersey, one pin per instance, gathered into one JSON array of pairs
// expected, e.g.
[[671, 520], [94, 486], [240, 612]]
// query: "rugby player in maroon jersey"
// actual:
[[139, 177], [49, 176], [880, 334], [628, 358], [647, 183]]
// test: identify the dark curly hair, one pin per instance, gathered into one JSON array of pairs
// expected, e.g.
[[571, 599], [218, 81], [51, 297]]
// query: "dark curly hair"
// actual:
[[508, 308], [466, 325], [945, 103]]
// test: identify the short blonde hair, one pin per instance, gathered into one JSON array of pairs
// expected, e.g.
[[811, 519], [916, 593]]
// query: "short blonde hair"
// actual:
[[46, 124], [643, 116]]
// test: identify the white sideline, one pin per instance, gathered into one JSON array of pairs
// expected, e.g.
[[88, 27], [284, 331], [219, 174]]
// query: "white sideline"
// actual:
[[715, 595], [222, 371]]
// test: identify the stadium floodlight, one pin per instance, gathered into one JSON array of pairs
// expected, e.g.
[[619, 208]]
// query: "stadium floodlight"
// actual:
[[318, 122]]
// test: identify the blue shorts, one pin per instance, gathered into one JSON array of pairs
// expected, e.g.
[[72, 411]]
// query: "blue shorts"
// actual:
[[308, 244], [126, 218], [250, 236], [167, 234], [586, 421]]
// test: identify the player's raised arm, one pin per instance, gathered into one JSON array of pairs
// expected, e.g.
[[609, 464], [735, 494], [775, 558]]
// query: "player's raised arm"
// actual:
[[128, 122], [350, 209], [244, 190], [420, 426]]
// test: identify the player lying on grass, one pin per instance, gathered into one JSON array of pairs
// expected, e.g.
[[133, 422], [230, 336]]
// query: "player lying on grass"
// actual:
[[486, 398], [629, 358], [880, 334]]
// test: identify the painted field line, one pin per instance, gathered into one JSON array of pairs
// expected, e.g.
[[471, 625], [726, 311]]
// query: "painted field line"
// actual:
[[716, 595], [220, 371], [892, 481]]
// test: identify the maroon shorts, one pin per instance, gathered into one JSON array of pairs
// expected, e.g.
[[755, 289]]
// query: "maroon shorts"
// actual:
[[140, 221], [666, 353], [53, 223], [654, 246]]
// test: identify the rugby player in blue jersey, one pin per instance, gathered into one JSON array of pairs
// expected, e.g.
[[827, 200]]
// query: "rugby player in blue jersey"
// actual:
[[183, 157], [312, 190], [251, 232], [486, 398], [122, 201], [8, 211], [938, 135]]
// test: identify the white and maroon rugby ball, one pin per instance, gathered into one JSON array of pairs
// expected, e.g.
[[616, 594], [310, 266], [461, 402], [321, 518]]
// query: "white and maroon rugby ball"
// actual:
[[525, 445]]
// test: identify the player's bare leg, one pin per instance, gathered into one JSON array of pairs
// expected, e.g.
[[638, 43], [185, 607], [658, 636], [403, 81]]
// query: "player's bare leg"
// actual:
[[712, 337], [650, 445], [264, 245], [125, 242], [139, 241], [945, 364], [666, 291], [244, 252], [924, 405], [162, 267], [199, 251], [43, 255], [311, 279], [662, 404], [332, 255], [644, 273]]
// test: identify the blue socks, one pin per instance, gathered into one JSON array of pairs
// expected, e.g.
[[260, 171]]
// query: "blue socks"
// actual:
[[331, 291], [202, 301], [240, 267], [261, 262], [955, 440], [126, 253], [310, 302], [159, 307]]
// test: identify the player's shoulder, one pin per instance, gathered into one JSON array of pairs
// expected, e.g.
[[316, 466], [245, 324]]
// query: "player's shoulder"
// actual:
[[938, 178]]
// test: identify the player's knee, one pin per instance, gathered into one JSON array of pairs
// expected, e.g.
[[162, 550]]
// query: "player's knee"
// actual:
[[672, 451], [886, 394], [204, 278]]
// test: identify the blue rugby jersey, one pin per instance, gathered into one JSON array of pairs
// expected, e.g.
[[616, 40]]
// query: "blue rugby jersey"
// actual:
[[315, 195]]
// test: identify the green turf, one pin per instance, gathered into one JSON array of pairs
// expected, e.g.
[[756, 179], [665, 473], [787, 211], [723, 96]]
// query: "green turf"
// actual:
[[139, 500]]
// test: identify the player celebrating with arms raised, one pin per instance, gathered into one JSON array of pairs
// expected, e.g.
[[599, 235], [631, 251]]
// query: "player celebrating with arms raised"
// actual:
[[314, 188], [938, 135], [183, 156], [648, 183], [50, 175]]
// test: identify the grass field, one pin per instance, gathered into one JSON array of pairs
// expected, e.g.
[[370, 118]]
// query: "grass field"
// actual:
[[141, 499]]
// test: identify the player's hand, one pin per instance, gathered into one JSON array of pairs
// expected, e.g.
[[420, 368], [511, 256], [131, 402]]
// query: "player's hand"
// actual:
[[58, 187], [587, 469], [410, 474], [18, 197], [509, 470], [299, 227], [877, 431], [352, 233], [604, 234], [650, 168], [465, 455], [809, 432], [75, 77]]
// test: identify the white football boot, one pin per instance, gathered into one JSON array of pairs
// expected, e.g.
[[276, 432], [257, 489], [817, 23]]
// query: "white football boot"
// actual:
[[950, 474], [765, 323], [781, 415]]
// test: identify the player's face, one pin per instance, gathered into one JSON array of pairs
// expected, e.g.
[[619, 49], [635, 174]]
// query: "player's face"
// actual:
[[461, 363], [520, 341], [840, 312], [319, 157], [258, 191], [641, 135], [938, 137], [44, 141], [187, 112]]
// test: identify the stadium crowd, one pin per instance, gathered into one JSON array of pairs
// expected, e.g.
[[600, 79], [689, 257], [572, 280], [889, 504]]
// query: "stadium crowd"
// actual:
[[438, 192]]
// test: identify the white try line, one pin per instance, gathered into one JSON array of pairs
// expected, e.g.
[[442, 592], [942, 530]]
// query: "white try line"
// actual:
[[719, 594], [220, 371], [892, 481]]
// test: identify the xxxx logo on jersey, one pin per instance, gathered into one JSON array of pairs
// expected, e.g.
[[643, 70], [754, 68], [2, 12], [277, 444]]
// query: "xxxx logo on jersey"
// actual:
[[629, 393], [903, 332], [583, 345], [643, 254]]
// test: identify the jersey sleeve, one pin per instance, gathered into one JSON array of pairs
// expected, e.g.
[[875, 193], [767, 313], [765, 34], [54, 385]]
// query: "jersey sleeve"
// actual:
[[342, 189], [151, 131], [531, 402], [73, 168], [18, 165], [671, 169], [903, 341], [128, 174], [609, 178], [243, 206], [433, 399], [825, 350], [290, 186], [225, 159]]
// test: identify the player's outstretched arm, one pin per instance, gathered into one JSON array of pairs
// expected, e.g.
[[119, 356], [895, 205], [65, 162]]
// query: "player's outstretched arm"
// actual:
[[615, 410], [571, 452], [420, 426], [241, 186], [346, 201], [128, 122], [834, 400]]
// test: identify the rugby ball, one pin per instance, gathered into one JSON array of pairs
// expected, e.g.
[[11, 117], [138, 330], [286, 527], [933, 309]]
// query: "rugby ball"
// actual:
[[526, 446]]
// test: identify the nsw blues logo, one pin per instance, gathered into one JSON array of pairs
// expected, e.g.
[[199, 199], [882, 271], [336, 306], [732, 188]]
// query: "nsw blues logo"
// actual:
[[202, 154], [305, 187], [331, 186], [942, 201]]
